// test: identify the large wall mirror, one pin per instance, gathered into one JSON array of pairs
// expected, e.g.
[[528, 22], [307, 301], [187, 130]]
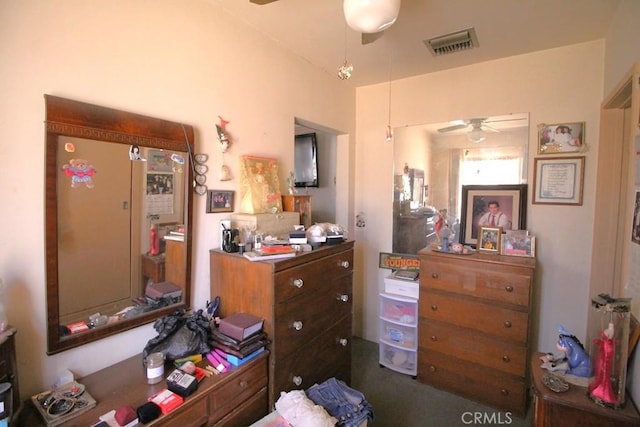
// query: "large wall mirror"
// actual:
[[433, 161], [118, 220]]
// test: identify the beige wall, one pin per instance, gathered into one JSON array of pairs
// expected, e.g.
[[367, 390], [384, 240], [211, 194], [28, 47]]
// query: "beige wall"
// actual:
[[182, 60]]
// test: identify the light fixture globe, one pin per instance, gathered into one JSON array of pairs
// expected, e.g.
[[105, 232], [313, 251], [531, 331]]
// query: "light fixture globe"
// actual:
[[476, 135], [370, 16]]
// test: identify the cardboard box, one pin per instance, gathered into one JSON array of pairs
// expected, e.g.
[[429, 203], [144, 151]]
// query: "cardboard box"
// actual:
[[278, 225]]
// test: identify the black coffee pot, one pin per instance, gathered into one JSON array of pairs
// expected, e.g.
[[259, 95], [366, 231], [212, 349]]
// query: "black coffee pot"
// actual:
[[230, 240]]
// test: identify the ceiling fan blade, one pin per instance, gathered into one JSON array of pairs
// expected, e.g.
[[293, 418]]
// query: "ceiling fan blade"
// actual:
[[486, 127], [452, 128], [371, 37], [261, 2]]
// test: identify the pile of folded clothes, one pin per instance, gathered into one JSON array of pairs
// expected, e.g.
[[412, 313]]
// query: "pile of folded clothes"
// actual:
[[331, 403]]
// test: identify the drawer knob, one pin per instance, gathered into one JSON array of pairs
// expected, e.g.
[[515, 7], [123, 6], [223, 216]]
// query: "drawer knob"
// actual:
[[507, 324], [432, 368], [508, 288], [243, 384], [298, 283], [506, 359], [343, 342], [434, 307], [504, 392], [434, 338], [344, 264], [297, 380], [343, 298], [434, 275], [297, 325]]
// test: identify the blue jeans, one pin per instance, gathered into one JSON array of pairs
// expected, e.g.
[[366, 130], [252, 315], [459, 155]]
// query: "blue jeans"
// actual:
[[349, 406]]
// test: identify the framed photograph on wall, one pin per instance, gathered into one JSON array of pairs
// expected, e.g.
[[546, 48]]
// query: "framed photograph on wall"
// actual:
[[560, 138], [489, 240], [502, 206], [219, 201], [558, 180]]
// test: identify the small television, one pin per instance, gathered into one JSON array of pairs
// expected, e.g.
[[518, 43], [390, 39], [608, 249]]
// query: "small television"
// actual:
[[306, 161]]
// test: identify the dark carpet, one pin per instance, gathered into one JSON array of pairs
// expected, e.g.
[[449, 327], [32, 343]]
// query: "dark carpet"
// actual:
[[399, 400]]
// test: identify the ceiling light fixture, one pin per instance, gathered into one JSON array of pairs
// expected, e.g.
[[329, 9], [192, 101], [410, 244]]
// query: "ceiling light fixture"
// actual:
[[345, 70], [370, 16], [389, 134], [476, 134]]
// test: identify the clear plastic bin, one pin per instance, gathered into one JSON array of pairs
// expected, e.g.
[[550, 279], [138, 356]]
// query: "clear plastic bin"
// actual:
[[399, 309], [400, 335], [398, 359]]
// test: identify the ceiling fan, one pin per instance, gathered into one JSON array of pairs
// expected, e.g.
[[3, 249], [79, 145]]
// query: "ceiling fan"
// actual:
[[368, 17], [478, 126]]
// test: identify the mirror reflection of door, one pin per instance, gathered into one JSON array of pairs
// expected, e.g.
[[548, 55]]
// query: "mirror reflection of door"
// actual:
[[481, 151], [94, 229]]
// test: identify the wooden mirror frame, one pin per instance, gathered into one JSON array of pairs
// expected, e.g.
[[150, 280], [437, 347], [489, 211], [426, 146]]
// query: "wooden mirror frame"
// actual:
[[65, 117]]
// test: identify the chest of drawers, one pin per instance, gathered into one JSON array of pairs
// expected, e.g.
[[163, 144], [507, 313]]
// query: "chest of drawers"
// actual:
[[475, 316], [306, 304], [235, 398]]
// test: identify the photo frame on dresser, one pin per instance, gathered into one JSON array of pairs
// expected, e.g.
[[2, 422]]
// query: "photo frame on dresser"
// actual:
[[490, 240], [507, 204]]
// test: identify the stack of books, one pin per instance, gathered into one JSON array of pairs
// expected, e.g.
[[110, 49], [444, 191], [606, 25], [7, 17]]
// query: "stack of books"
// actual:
[[267, 252], [238, 339]]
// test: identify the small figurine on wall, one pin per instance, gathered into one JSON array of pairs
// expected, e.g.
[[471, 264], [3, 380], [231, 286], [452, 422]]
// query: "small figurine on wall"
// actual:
[[291, 183], [223, 136]]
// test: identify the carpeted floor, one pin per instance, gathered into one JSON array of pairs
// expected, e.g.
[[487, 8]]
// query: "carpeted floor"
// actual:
[[400, 401]]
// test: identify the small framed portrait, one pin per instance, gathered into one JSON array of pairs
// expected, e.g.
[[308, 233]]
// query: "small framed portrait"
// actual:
[[489, 240], [502, 206], [560, 138], [219, 201], [518, 244]]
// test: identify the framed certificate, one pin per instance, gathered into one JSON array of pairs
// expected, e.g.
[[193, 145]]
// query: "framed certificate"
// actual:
[[558, 180]]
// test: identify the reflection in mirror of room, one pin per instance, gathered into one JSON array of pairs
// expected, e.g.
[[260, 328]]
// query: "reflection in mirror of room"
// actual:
[[101, 260], [441, 163]]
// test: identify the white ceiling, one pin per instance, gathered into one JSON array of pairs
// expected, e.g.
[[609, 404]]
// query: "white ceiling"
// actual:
[[316, 31]]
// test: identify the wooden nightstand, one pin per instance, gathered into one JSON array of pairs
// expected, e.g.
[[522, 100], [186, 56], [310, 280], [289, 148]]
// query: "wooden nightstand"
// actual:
[[152, 268], [574, 407]]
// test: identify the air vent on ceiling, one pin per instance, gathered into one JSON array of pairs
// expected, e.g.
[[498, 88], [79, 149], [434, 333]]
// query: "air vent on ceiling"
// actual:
[[454, 42]]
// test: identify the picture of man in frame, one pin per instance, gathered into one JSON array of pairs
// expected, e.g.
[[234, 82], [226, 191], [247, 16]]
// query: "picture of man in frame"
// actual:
[[488, 208]]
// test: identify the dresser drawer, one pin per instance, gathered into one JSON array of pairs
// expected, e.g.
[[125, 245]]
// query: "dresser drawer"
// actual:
[[475, 314], [248, 412], [329, 355], [232, 393], [507, 284], [301, 319], [472, 346], [192, 414], [312, 276], [473, 381]]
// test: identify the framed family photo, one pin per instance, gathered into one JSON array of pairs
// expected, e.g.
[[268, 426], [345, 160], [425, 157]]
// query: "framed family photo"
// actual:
[[489, 239], [502, 206], [560, 138], [518, 243], [219, 201], [558, 180]]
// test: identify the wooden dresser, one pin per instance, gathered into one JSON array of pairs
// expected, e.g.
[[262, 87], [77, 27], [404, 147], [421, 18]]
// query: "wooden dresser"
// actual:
[[236, 398], [573, 407], [475, 316], [9, 367], [306, 304]]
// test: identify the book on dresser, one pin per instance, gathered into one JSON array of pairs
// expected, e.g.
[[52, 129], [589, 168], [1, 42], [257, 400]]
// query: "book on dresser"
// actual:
[[240, 326]]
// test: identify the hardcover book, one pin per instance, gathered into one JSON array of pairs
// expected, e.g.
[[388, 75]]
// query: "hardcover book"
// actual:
[[240, 326]]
